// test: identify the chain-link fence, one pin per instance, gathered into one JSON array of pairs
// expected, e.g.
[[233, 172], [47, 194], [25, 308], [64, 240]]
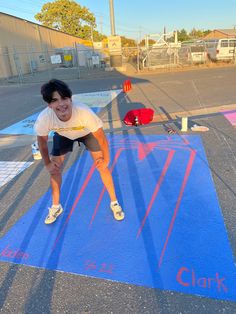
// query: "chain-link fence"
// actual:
[[167, 57], [29, 65], [141, 58]]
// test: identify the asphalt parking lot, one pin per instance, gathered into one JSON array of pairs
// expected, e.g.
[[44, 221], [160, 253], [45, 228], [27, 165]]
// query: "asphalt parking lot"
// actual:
[[201, 95]]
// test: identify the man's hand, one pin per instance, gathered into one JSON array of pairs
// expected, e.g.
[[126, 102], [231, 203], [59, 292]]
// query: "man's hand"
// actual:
[[102, 141], [53, 167], [101, 164]]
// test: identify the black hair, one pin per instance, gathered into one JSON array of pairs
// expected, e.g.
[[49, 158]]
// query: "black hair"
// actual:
[[52, 86]]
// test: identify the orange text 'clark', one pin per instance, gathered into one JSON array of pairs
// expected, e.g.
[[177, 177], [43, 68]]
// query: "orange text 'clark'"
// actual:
[[188, 277]]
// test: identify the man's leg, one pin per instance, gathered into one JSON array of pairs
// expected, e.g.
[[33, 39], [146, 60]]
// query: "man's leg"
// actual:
[[106, 177], [56, 179], [109, 184], [56, 209], [61, 145]]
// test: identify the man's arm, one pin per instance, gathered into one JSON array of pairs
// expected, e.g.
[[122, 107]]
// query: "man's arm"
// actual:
[[52, 166], [103, 143], [43, 147]]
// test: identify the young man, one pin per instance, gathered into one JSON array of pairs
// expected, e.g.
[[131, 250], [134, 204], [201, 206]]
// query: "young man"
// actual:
[[71, 123]]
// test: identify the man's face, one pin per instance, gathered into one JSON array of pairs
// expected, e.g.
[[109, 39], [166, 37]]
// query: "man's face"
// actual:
[[62, 106]]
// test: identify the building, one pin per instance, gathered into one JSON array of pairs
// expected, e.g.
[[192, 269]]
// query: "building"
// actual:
[[221, 33], [27, 47]]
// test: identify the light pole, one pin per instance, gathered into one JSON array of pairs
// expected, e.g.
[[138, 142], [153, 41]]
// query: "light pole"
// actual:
[[112, 18], [91, 29], [114, 42]]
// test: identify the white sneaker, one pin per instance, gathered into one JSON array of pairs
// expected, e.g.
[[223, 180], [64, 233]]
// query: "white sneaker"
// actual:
[[117, 211], [54, 212]]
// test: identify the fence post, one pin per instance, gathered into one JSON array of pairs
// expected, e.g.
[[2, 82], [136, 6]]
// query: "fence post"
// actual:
[[77, 60], [138, 58]]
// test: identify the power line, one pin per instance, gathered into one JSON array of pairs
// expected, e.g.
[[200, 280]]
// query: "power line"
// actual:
[[121, 27]]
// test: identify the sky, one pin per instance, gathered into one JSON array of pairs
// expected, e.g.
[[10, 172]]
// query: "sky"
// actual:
[[137, 18]]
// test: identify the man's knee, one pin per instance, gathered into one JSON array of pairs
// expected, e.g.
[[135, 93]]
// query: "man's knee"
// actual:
[[58, 162], [100, 165]]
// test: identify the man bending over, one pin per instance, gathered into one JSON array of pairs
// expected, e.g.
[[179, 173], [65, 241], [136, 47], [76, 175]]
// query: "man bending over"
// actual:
[[71, 123]]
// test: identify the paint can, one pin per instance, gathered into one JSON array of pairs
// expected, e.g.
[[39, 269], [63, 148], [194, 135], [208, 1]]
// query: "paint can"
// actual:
[[35, 151], [184, 124]]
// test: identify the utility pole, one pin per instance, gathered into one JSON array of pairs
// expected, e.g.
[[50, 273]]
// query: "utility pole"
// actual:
[[140, 32], [164, 33], [91, 29], [114, 42], [101, 17], [112, 18]]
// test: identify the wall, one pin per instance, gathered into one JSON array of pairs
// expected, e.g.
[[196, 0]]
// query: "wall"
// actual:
[[24, 44]]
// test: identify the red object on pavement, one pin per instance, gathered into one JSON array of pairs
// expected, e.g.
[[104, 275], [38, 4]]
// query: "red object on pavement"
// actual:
[[139, 116], [127, 86]]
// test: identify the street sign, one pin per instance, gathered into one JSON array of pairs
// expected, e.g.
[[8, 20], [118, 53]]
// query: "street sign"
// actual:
[[114, 44]]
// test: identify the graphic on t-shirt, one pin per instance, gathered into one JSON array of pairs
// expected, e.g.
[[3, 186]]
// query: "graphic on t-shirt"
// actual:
[[73, 128]]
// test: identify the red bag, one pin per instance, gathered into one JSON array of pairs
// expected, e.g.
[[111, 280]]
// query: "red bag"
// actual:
[[139, 116]]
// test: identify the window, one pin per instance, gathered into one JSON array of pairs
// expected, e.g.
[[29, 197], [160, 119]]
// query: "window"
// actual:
[[224, 43], [211, 43], [232, 43]]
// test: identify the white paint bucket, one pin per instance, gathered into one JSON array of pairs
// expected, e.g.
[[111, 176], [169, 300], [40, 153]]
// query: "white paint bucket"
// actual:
[[184, 124]]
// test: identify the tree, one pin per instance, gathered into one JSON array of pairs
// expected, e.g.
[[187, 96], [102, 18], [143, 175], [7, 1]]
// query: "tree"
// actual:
[[98, 36], [183, 35], [150, 41], [198, 34], [206, 32], [69, 17], [127, 42]]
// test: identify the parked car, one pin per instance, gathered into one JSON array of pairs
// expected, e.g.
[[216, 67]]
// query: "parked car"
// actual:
[[222, 49], [192, 52]]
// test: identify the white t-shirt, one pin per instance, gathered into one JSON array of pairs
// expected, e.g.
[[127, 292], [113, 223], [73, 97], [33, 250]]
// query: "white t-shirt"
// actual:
[[82, 122]]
